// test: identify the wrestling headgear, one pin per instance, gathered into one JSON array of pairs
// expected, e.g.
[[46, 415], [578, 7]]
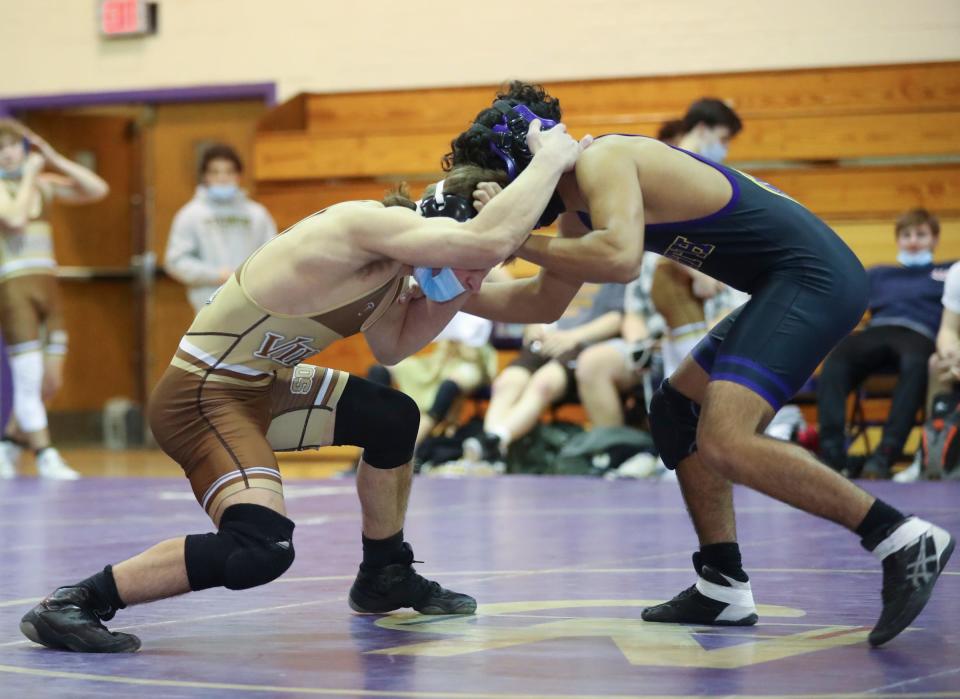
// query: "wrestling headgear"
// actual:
[[509, 143], [450, 205]]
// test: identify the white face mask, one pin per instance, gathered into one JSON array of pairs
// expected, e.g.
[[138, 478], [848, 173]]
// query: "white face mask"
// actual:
[[915, 259], [222, 192], [715, 151]]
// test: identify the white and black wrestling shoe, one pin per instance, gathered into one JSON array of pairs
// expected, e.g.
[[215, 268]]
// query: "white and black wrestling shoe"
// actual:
[[716, 600], [913, 552]]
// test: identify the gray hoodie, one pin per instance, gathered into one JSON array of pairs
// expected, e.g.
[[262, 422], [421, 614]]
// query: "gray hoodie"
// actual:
[[209, 236]]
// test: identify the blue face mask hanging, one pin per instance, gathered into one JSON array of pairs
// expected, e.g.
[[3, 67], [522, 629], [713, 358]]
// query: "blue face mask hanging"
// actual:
[[921, 258], [440, 287]]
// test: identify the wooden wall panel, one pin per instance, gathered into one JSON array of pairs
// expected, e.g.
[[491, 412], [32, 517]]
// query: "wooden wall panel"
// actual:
[[780, 94], [171, 314], [832, 193], [304, 155], [869, 193], [102, 361], [289, 204]]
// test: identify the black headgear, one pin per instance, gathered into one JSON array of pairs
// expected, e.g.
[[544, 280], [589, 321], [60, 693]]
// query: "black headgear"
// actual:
[[450, 205]]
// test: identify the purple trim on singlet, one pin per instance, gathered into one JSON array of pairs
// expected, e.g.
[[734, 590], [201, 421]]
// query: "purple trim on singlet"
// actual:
[[705, 353], [759, 368], [727, 208], [747, 383]]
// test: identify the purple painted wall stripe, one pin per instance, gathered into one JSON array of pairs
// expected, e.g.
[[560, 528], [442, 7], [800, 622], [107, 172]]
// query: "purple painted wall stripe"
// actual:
[[197, 93]]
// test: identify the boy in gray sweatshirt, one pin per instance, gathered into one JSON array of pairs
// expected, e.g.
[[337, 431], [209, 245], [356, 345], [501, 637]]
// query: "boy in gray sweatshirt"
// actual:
[[217, 229]]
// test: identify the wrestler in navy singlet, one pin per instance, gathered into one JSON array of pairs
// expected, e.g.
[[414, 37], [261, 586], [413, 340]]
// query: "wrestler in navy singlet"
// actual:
[[808, 288]]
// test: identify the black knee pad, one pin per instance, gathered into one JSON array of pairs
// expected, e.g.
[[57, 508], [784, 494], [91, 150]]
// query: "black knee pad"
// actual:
[[253, 546], [673, 424], [380, 419]]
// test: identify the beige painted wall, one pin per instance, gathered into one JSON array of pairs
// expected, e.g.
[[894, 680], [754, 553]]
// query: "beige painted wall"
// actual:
[[326, 45]]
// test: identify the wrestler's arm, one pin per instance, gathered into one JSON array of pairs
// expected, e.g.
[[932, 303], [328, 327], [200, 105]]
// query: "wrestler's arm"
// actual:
[[414, 321], [612, 251], [74, 183], [539, 299], [489, 238]]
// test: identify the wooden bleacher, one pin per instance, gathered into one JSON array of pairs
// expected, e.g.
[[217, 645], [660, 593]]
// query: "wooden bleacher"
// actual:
[[856, 145]]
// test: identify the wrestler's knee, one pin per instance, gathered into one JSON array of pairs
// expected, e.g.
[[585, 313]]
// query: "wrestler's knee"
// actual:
[[253, 546]]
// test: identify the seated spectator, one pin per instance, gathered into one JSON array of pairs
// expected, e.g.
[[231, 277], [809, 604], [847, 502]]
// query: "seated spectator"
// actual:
[[544, 372], [217, 230], [461, 363], [944, 368], [899, 337], [608, 370]]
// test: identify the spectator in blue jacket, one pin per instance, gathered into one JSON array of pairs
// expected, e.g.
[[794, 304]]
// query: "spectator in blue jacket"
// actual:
[[900, 336]]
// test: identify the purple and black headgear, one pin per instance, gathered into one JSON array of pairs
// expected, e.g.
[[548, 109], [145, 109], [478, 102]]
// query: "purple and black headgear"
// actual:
[[509, 143], [509, 140]]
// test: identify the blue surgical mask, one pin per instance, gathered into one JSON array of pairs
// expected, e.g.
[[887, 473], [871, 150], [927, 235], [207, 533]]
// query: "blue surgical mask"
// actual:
[[222, 192], [716, 151], [920, 258], [440, 287]]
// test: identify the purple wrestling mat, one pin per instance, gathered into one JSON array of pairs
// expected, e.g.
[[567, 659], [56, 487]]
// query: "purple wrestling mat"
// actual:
[[561, 567]]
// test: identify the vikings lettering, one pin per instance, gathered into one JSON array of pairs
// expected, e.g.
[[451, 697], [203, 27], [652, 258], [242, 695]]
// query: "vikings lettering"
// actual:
[[279, 349]]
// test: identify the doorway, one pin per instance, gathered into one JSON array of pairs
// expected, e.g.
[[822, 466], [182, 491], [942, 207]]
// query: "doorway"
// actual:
[[125, 316]]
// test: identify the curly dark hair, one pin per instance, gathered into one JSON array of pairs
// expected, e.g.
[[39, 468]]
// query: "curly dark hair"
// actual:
[[473, 145]]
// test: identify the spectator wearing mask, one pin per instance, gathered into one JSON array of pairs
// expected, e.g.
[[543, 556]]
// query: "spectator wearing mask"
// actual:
[[217, 229], [905, 309], [707, 129]]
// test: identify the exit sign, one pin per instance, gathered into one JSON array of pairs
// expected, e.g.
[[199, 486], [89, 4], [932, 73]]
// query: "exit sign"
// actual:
[[127, 18]]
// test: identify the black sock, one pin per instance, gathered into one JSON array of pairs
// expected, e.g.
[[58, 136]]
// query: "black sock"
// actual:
[[103, 592], [724, 558], [874, 526], [378, 553]]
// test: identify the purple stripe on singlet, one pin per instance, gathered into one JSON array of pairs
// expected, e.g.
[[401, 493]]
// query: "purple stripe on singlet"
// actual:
[[747, 383]]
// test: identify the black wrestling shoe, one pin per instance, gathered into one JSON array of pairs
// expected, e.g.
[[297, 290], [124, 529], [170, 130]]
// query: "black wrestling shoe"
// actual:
[[914, 552], [67, 620], [382, 590], [715, 600]]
